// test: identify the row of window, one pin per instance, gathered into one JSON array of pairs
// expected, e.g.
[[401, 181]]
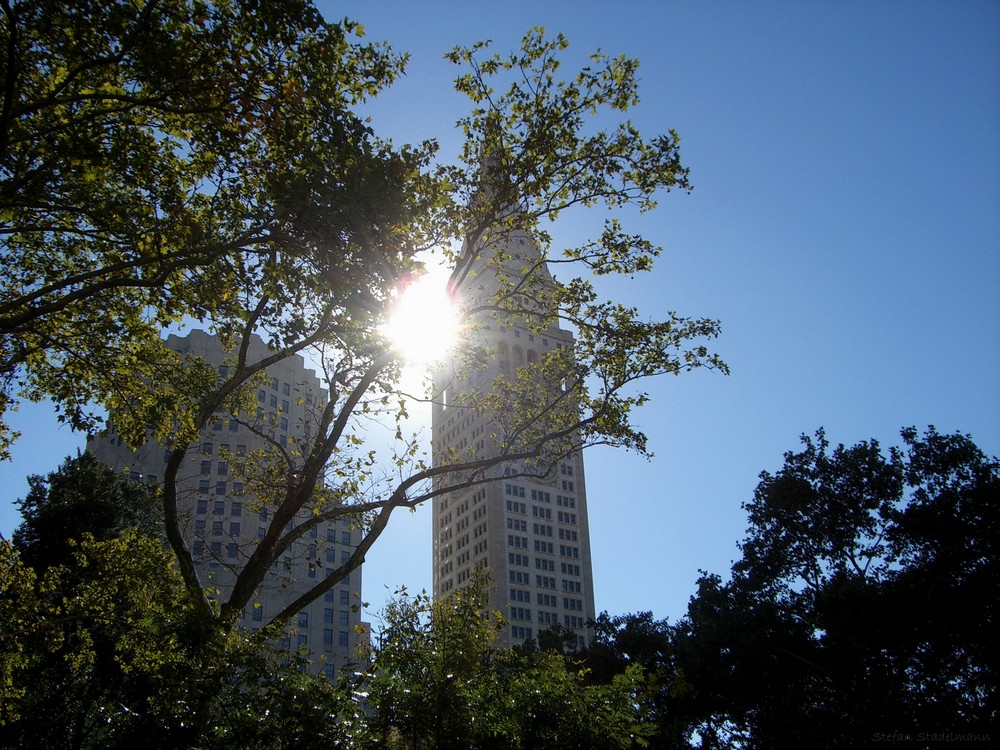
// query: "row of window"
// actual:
[[514, 507], [208, 449], [343, 596], [328, 613], [523, 614], [236, 511], [542, 582], [217, 528], [541, 497], [517, 542], [342, 638], [520, 613], [263, 399], [219, 507], [221, 488], [232, 550], [519, 631]]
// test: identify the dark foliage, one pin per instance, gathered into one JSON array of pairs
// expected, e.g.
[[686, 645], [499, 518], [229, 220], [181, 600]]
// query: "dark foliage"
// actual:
[[864, 607]]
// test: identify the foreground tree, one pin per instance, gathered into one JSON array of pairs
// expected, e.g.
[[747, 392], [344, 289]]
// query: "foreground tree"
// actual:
[[159, 158], [83, 496], [440, 680], [863, 607], [224, 176], [100, 645]]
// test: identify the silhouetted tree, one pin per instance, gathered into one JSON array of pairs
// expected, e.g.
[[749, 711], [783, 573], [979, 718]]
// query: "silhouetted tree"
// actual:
[[84, 496], [865, 603]]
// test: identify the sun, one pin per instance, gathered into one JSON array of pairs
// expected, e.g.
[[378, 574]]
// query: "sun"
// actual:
[[423, 322]]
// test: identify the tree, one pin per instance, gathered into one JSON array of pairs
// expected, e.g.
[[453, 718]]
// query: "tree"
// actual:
[[440, 680], [639, 640], [267, 207], [100, 645], [864, 603], [83, 496], [156, 159]]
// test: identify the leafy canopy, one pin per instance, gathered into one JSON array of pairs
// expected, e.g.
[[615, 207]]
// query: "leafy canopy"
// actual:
[[184, 163], [863, 604]]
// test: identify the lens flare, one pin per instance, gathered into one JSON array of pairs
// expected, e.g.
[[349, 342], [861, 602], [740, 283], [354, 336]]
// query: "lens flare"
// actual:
[[423, 323]]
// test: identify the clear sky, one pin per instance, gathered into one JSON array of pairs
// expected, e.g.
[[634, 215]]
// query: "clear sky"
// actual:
[[845, 227]]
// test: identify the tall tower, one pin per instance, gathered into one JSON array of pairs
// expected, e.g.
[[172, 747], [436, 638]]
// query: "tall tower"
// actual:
[[222, 520], [531, 533]]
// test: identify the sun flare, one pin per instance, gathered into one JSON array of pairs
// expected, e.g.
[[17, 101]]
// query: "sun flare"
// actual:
[[423, 324]]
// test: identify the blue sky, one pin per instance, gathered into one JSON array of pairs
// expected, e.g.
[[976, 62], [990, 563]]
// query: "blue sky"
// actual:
[[845, 227]]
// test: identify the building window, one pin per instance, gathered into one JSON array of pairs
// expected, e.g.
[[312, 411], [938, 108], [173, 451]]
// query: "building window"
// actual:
[[234, 528], [342, 638], [303, 619], [258, 613], [328, 638], [232, 549], [220, 488], [345, 596], [219, 509], [223, 467], [206, 467], [203, 504], [216, 528], [328, 616], [203, 486]]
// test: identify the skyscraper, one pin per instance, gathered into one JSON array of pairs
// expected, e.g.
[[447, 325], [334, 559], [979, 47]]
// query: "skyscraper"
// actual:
[[222, 518], [530, 531]]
